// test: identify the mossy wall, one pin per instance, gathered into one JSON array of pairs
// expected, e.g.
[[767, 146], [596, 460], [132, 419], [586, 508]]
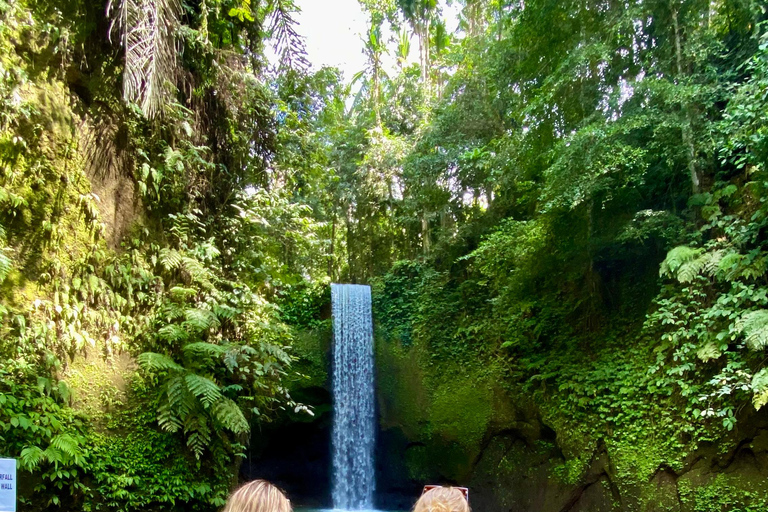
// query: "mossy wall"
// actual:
[[465, 424]]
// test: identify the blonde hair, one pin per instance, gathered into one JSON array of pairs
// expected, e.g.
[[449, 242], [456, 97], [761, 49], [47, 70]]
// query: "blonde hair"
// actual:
[[442, 499], [258, 496]]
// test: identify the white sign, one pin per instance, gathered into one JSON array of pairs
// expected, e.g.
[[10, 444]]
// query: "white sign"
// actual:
[[7, 485]]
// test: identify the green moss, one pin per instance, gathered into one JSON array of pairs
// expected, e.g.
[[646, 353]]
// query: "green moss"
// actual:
[[312, 351], [404, 400], [731, 492]]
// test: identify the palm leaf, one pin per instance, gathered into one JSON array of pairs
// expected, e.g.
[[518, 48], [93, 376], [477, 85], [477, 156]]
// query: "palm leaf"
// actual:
[[147, 31]]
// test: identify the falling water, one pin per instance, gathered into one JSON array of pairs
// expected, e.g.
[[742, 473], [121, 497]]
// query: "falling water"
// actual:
[[353, 417]]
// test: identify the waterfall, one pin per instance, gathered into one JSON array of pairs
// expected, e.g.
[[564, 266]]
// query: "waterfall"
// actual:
[[353, 411]]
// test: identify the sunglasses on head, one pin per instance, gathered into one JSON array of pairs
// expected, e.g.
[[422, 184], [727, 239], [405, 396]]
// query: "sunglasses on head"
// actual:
[[463, 490]]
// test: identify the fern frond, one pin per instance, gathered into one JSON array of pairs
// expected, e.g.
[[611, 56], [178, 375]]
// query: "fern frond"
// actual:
[[172, 333], [182, 293], [69, 447], [728, 266], [692, 268], [198, 273], [225, 312], [203, 388], [157, 362], [6, 264], [170, 259], [676, 258], [200, 320], [754, 326], [204, 350], [198, 434], [31, 457], [711, 261], [167, 419], [180, 400], [229, 414]]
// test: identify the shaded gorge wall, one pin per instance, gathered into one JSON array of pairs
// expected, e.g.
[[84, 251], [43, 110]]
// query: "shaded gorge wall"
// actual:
[[472, 421]]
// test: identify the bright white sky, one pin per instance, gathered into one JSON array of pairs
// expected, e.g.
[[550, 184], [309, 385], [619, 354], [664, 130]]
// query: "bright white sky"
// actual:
[[333, 31]]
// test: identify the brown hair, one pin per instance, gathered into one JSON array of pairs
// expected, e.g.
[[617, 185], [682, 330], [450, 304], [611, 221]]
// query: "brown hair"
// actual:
[[442, 499], [258, 496]]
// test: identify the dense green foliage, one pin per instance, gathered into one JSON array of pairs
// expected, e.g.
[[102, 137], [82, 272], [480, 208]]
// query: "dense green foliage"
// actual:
[[562, 204], [142, 241]]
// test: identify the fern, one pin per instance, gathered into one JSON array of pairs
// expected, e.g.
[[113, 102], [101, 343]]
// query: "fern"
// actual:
[[203, 388], [167, 419], [180, 293], [197, 272], [676, 258], [172, 333], [754, 326], [68, 449], [204, 350], [157, 362], [31, 457], [760, 388], [198, 434], [6, 264], [229, 414], [170, 259], [200, 320]]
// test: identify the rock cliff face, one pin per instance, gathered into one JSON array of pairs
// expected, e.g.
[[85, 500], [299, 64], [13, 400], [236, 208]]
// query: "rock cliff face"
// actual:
[[442, 423]]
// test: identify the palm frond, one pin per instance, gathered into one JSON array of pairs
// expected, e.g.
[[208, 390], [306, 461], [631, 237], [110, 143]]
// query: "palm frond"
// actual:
[[147, 31], [288, 43]]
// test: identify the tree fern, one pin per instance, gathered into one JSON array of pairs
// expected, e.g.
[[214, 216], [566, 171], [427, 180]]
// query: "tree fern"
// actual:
[[203, 388], [200, 320], [754, 326], [198, 434], [170, 259], [157, 362], [202, 349], [229, 414], [676, 258]]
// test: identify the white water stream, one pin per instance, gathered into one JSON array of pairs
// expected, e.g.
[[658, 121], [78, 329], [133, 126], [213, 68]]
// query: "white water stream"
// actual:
[[354, 419]]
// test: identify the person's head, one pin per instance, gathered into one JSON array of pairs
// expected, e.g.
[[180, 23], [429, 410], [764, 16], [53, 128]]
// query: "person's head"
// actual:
[[258, 496], [442, 499]]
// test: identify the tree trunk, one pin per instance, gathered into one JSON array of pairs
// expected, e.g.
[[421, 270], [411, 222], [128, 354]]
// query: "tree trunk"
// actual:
[[687, 130]]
